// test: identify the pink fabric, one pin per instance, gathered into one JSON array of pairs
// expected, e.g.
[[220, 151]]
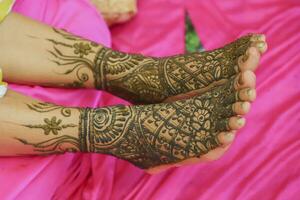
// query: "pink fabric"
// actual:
[[262, 163], [83, 176]]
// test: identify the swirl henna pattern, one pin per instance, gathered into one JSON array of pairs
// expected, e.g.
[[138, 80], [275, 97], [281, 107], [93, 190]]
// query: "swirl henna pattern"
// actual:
[[156, 134], [143, 79], [56, 142], [145, 135]]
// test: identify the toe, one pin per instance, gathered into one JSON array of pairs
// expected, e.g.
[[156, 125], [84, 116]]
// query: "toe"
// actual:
[[235, 123], [258, 38], [246, 79], [260, 46], [247, 94], [226, 138], [259, 42], [250, 60], [241, 108], [238, 108], [244, 82]]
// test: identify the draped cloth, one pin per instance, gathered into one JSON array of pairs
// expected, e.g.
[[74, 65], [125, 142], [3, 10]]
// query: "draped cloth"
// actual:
[[262, 163]]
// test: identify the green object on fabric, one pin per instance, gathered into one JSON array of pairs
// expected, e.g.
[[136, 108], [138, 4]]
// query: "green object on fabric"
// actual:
[[5, 7], [192, 42]]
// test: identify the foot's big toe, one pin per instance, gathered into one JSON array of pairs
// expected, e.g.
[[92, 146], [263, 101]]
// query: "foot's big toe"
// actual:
[[258, 38], [246, 79], [250, 60]]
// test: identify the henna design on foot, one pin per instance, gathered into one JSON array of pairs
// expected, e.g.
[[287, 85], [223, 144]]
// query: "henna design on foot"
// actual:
[[152, 135], [143, 79], [146, 135]]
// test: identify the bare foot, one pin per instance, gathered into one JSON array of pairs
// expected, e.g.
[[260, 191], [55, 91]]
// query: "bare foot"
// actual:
[[158, 136], [153, 137], [143, 79]]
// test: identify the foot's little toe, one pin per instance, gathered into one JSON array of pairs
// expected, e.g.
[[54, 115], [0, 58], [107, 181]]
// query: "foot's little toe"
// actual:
[[246, 79], [250, 60], [258, 38]]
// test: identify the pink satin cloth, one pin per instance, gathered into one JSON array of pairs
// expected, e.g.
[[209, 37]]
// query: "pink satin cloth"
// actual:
[[262, 163]]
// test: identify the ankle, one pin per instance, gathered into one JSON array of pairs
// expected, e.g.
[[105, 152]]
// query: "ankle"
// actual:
[[129, 76]]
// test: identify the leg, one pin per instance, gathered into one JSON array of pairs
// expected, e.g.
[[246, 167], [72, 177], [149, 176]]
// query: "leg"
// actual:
[[71, 61], [148, 136], [30, 51], [30, 127]]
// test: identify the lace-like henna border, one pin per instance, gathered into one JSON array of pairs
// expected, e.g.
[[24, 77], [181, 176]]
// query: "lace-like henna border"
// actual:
[[99, 69]]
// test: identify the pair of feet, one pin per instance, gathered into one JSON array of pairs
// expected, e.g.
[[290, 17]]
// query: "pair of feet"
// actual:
[[205, 96], [190, 105]]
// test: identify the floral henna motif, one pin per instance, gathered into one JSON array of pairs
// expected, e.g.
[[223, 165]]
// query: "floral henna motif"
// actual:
[[152, 135], [51, 125], [77, 61], [56, 142], [143, 79], [146, 80]]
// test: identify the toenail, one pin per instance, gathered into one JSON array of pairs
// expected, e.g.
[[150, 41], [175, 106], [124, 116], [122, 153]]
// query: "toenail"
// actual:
[[261, 45], [245, 105], [250, 92], [229, 136], [241, 121]]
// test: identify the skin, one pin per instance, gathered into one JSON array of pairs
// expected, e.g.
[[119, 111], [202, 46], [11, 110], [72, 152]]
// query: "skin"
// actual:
[[193, 126], [70, 61], [116, 11]]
